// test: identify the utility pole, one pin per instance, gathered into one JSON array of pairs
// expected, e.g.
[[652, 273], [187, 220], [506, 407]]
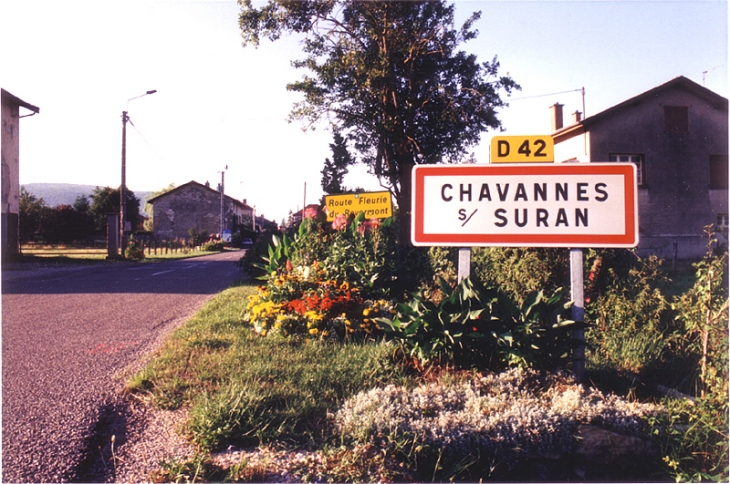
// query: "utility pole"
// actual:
[[223, 177], [123, 187]]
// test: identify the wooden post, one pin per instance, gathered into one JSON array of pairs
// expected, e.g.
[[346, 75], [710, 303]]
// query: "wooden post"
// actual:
[[578, 312]]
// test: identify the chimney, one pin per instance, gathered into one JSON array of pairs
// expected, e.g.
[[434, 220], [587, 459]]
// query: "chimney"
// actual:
[[577, 116], [556, 112], [244, 202]]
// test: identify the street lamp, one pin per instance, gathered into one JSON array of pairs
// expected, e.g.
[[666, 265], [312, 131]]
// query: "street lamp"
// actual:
[[123, 188], [222, 190]]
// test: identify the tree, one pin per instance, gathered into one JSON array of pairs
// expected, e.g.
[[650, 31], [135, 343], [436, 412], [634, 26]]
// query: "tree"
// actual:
[[389, 75], [81, 204], [32, 212], [65, 224], [106, 200], [334, 171]]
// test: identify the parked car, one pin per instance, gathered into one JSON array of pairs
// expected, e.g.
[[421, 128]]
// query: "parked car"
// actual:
[[246, 243]]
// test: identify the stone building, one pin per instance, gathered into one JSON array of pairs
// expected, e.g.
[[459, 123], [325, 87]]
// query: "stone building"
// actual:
[[10, 148], [196, 206], [677, 135]]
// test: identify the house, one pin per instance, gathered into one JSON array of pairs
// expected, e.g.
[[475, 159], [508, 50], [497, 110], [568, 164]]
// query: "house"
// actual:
[[677, 135], [310, 211], [10, 148], [195, 206]]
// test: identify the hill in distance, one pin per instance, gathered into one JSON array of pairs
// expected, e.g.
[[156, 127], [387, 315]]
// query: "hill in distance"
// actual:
[[56, 194]]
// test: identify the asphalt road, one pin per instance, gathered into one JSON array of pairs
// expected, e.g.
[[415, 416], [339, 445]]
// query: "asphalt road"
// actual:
[[67, 334]]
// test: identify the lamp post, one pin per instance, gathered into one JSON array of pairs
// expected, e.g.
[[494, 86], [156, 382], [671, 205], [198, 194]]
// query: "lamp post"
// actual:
[[222, 190], [123, 188]]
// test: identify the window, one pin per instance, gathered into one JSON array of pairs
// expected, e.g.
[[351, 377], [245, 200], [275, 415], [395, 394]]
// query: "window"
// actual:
[[722, 223], [676, 119], [638, 160], [718, 171]]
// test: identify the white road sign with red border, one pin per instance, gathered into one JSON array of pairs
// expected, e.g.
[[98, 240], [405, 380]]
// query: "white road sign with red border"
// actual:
[[556, 205]]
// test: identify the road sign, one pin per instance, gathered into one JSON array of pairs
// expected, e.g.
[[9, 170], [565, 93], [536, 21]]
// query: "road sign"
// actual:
[[374, 204], [556, 205], [522, 149]]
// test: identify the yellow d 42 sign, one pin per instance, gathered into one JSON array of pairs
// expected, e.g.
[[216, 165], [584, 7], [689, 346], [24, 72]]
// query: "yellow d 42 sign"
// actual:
[[522, 149]]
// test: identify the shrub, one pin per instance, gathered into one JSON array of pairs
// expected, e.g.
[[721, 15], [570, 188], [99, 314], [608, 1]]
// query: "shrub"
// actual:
[[693, 440], [519, 271], [703, 314], [473, 326], [197, 237], [213, 246], [134, 251], [629, 318]]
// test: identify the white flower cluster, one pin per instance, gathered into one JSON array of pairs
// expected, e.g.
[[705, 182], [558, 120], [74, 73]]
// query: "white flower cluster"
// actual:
[[517, 412]]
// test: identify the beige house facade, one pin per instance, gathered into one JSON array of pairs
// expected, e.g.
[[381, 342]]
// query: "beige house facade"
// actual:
[[197, 206], [10, 115]]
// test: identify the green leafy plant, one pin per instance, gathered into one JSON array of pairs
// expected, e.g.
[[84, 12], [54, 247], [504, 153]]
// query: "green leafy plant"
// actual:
[[134, 251], [630, 327], [213, 246], [703, 313], [279, 254], [519, 271], [473, 326], [693, 438]]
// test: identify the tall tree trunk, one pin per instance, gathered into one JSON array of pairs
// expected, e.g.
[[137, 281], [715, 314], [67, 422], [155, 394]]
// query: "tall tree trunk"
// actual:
[[405, 202]]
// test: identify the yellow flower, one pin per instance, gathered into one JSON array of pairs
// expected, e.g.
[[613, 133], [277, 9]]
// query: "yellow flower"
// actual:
[[366, 311], [313, 331], [263, 332], [313, 316]]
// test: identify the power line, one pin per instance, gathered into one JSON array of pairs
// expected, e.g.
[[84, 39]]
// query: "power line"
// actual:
[[145, 140], [544, 95]]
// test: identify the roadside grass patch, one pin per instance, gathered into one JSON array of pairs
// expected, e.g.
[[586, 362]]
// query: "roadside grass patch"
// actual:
[[243, 389]]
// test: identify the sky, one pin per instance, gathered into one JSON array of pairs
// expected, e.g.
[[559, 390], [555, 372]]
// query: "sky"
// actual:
[[222, 108]]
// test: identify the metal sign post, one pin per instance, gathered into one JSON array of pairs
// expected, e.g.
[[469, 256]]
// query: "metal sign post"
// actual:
[[578, 312], [464, 266]]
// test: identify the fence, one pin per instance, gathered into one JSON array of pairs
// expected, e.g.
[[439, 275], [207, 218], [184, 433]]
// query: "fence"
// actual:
[[151, 247]]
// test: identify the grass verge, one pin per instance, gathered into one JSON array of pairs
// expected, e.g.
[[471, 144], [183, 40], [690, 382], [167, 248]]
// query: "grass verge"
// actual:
[[244, 390]]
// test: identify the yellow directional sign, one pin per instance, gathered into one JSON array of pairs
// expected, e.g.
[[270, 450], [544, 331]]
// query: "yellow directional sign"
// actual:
[[373, 204], [522, 149]]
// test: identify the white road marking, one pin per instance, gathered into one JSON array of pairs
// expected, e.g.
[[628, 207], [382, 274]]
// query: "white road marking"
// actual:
[[163, 272]]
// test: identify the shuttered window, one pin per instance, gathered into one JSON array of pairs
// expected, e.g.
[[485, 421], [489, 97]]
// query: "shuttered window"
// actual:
[[718, 171], [676, 119]]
